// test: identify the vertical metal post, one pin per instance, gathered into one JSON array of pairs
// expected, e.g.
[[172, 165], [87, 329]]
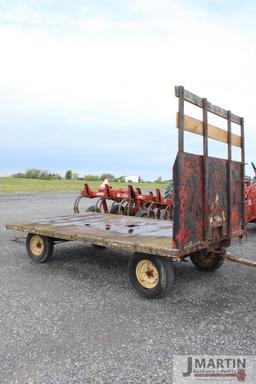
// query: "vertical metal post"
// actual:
[[229, 176], [178, 165], [205, 169], [243, 173], [205, 127], [181, 119]]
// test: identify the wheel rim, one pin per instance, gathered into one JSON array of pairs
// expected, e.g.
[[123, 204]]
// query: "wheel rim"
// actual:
[[147, 274], [36, 245], [208, 259]]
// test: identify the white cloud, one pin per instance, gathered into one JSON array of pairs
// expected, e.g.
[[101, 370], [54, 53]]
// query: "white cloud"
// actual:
[[96, 69]]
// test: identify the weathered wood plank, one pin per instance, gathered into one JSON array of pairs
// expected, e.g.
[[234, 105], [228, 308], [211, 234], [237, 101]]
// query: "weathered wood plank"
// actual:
[[196, 126], [198, 101]]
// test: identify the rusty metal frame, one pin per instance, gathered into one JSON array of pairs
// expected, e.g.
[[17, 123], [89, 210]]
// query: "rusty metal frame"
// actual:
[[198, 101], [205, 167], [114, 231], [231, 207]]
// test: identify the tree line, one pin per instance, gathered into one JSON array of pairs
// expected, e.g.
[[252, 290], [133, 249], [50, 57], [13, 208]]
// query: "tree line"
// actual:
[[38, 174], [70, 175], [46, 175]]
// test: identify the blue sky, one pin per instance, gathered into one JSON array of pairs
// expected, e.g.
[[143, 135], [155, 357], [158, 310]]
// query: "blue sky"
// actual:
[[89, 85]]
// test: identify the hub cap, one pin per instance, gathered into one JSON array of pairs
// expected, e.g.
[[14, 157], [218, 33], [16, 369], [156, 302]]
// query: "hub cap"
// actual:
[[36, 245], [147, 274]]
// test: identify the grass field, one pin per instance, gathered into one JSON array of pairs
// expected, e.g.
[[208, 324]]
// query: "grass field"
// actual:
[[11, 184]]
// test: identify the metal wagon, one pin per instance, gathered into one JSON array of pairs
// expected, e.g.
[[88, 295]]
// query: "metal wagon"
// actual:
[[209, 210]]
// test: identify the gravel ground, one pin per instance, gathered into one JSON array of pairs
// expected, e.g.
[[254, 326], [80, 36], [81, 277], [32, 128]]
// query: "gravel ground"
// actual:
[[77, 320]]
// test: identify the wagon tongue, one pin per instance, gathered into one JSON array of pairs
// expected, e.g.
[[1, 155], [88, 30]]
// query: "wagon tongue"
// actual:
[[239, 260]]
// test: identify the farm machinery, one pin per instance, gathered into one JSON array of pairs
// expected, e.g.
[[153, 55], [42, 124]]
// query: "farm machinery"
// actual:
[[131, 201], [128, 201], [250, 198], [254, 168]]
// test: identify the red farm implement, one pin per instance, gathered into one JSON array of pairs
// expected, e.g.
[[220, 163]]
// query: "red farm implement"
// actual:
[[131, 201], [209, 210], [128, 201], [250, 197]]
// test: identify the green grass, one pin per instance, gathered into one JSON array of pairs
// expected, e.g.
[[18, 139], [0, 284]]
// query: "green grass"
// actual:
[[11, 184]]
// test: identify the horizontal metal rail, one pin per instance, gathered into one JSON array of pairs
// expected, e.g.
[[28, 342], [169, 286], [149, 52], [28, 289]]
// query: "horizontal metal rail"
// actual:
[[198, 101]]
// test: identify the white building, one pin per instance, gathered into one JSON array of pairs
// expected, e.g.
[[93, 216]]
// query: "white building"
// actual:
[[132, 179]]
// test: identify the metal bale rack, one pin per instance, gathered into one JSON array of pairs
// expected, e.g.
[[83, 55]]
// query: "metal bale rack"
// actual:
[[208, 211]]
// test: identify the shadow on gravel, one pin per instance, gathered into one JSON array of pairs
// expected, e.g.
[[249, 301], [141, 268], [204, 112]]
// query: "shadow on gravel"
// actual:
[[89, 255], [80, 261], [76, 261]]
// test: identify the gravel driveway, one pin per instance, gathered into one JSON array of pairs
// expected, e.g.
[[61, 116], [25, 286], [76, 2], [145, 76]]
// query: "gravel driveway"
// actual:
[[77, 320]]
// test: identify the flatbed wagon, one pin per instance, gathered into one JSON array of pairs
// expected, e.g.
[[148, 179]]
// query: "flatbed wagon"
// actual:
[[208, 211]]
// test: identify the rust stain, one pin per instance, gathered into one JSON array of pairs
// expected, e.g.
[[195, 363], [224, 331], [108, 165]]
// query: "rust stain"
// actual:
[[137, 234]]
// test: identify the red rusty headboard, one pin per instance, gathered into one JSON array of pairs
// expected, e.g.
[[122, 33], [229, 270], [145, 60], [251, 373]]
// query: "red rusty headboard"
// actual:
[[209, 206]]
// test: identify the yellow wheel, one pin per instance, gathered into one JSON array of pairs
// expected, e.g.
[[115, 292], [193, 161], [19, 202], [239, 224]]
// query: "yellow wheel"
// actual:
[[147, 273], [152, 276], [36, 245], [39, 248]]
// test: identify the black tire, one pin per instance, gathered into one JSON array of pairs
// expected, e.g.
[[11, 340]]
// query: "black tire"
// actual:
[[143, 213], [162, 280], [210, 262], [92, 208], [39, 248], [168, 193], [114, 209]]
